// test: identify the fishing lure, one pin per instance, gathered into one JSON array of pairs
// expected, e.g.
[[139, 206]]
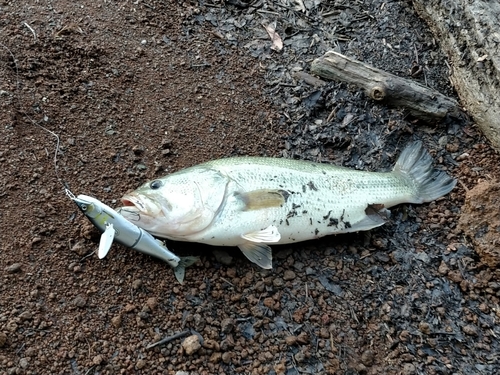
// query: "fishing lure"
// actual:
[[114, 227]]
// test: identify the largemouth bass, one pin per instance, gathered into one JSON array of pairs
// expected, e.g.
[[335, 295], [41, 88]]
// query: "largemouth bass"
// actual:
[[250, 202]]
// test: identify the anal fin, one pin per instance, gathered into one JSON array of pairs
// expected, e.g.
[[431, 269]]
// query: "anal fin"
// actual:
[[376, 215], [258, 253]]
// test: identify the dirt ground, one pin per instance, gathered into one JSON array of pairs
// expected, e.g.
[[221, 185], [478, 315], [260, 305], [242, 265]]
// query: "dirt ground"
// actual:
[[138, 89]]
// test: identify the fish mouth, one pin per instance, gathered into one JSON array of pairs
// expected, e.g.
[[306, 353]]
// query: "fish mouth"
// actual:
[[140, 204]]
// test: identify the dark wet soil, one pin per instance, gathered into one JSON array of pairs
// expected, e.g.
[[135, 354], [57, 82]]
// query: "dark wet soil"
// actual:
[[135, 90]]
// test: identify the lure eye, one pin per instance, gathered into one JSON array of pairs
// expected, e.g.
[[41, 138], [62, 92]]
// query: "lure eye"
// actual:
[[83, 207], [156, 184]]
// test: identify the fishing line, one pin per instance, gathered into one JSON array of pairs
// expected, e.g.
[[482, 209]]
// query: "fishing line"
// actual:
[[24, 113]]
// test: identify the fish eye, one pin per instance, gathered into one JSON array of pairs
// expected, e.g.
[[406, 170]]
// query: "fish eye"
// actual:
[[156, 184]]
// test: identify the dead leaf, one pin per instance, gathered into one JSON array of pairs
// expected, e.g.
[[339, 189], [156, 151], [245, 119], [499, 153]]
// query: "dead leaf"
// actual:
[[277, 42]]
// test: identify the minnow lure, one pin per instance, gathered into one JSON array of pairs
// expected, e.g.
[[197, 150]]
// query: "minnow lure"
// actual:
[[114, 227]]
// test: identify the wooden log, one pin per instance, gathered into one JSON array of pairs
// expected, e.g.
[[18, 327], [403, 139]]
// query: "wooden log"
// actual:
[[421, 102], [469, 32]]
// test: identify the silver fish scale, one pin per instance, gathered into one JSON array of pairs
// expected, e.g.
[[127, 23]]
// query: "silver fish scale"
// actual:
[[320, 199]]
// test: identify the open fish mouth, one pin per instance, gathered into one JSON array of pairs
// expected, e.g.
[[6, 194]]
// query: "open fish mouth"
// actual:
[[141, 204], [131, 201]]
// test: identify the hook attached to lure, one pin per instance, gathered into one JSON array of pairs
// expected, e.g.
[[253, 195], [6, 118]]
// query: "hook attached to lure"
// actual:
[[114, 227]]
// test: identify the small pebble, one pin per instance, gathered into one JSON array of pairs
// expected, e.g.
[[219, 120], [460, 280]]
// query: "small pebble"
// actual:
[[140, 364], [215, 357], [408, 369], [227, 325], [424, 327], [129, 308], [116, 321], [23, 362], [3, 339], [226, 357], [303, 338], [470, 330], [289, 275], [191, 344], [136, 284], [367, 357], [80, 301], [291, 340], [300, 357], [443, 268], [97, 360], [152, 302], [16, 267], [79, 248], [278, 282], [26, 315], [222, 257]]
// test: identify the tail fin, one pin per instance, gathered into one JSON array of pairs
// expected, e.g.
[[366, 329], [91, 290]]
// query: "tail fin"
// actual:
[[415, 163]]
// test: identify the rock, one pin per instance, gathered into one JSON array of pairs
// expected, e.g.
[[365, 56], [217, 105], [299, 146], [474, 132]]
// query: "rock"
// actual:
[[79, 248], [300, 357], [227, 325], [152, 302], [23, 362], [13, 268], [480, 221], [425, 328], [25, 315], [408, 369], [223, 257], [289, 275], [98, 359], [140, 364], [291, 340], [136, 284], [443, 268], [470, 330], [129, 308], [3, 339], [116, 321], [80, 301], [191, 344], [367, 357], [215, 357], [278, 282], [227, 357], [303, 338]]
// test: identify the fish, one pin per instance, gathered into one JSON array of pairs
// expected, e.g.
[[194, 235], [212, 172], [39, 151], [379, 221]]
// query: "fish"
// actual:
[[252, 202]]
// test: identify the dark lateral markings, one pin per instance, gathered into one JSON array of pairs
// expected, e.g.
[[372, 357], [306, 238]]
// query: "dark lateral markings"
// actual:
[[327, 215], [311, 186], [316, 231], [333, 222]]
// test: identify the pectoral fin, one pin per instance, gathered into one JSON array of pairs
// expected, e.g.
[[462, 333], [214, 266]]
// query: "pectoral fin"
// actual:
[[263, 198], [258, 253], [269, 235], [106, 241]]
